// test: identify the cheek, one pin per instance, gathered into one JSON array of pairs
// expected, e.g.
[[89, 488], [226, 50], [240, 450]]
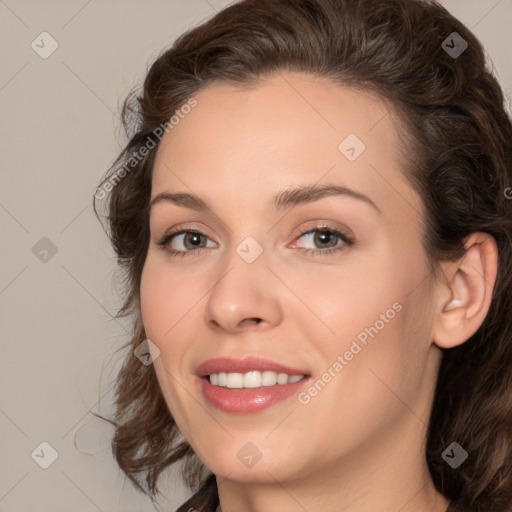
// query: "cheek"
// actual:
[[339, 302], [154, 302], [373, 313], [166, 303], [167, 296]]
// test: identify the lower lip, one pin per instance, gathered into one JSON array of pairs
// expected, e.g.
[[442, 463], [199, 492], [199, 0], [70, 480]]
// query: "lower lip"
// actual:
[[247, 400]]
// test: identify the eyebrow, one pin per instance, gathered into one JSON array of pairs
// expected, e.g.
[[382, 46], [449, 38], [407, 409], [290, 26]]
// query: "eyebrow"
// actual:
[[285, 200]]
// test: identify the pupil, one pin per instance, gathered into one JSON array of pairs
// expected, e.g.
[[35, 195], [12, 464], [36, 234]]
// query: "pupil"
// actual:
[[195, 238], [324, 237]]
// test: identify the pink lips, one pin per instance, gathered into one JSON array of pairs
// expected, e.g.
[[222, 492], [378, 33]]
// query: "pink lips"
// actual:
[[229, 365], [246, 400]]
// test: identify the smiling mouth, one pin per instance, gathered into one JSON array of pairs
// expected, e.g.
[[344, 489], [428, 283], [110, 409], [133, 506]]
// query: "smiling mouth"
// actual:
[[250, 385], [252, 379]]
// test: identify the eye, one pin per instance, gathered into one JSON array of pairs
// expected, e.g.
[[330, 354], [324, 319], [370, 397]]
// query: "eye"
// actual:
[[188, 242], [328, 240], [184, 242]]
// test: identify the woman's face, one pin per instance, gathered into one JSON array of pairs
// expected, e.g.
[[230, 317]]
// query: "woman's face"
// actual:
[[331, 285]]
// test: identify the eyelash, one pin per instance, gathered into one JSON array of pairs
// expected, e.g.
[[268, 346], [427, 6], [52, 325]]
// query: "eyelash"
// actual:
[[348, 241]]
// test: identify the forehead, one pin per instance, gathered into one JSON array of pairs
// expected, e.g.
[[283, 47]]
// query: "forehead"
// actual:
[[294, 107], [292, 128]]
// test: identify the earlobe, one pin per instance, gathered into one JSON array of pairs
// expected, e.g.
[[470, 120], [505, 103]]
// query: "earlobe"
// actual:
[[466, 295]]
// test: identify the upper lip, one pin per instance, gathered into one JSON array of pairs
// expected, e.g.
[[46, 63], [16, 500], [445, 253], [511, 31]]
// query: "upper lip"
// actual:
[[230, 365]]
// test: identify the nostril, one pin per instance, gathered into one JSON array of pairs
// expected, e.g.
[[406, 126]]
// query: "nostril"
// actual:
[[251, 320]]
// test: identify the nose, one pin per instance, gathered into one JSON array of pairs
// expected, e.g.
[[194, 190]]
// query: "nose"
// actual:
[[244, 297]]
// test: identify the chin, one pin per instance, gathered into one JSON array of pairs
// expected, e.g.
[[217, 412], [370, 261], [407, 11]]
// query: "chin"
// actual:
[[237, 465]]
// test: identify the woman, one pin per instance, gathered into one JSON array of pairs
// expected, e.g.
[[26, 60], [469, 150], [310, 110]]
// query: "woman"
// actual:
[[313, 214]]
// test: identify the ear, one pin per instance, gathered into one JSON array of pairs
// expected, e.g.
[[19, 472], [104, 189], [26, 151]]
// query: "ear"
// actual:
[[465, 295]]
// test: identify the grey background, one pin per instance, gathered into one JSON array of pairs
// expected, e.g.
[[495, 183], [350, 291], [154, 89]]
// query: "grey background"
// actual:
[[59, 133]]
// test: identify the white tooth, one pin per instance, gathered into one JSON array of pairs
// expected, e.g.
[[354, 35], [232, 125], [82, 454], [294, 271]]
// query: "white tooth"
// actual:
[[235, 380], [252, 379], [268, 378], [282, 378]]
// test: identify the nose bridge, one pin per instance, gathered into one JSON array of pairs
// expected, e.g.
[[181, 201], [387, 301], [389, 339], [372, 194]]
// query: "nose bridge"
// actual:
[[243, 290]]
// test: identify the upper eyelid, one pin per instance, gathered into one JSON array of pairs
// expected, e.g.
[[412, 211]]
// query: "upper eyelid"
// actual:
[[302, 231], [346, 235]]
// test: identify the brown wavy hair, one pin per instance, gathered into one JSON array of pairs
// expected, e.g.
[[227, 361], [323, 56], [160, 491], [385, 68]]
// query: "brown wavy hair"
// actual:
[[459, 155]]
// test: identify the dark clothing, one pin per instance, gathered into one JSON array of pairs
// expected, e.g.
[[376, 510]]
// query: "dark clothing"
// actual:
[[206, 494]]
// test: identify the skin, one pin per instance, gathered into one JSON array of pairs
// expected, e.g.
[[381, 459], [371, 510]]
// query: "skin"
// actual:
[[359, 444]]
